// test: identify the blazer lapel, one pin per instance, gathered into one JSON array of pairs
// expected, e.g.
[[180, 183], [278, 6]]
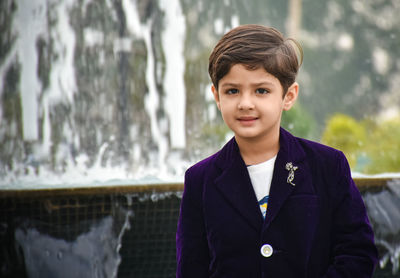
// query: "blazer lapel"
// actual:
[[281, 187], [235, 185]]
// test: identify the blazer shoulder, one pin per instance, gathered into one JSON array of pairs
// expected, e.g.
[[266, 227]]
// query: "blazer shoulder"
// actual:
[[320, 152], [213, 163], [201, 167], [330, 162], [197, 176]]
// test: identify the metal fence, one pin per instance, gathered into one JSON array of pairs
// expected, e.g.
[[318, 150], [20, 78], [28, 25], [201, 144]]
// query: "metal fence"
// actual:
[[143, 230]]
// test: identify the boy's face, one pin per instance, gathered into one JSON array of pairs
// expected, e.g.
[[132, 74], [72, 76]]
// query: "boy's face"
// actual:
[[251, 102]]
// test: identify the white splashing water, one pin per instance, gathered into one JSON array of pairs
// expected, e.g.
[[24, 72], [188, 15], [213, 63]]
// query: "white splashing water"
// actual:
[[152, 99], [92, 254], [62, 78], [77, 174], [173, 42], [30, 24], [384, 213], [9, 59]]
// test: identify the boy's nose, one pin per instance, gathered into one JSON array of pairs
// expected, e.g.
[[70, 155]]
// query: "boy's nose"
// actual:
[[245, 102]]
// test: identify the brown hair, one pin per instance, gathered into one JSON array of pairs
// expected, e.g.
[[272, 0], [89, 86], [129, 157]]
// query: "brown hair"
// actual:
[[256, 46]]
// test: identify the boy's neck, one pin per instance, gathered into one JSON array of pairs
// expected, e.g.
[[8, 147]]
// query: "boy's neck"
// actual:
[[255, 151]]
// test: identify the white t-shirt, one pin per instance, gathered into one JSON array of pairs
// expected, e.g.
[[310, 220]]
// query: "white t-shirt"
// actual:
[[261, 177]]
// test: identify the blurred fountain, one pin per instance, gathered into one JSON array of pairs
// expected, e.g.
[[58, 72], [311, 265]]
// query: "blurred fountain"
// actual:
[[121, 87], [92, 86], [384, 213], [92, 254]]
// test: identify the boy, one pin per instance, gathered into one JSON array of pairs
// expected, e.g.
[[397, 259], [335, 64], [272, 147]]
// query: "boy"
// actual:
[[268, 204]]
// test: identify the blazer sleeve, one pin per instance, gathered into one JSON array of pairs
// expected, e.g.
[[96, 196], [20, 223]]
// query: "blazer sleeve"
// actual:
[[354, 251], [191, 241]]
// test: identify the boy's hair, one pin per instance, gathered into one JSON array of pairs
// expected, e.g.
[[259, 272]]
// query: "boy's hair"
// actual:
[[256, 46]]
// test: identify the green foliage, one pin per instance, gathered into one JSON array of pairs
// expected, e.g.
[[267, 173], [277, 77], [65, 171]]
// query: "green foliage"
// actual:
[[298, 121], [215, 133], [383, 147], [344, 79], [345, 133], [370, 146]]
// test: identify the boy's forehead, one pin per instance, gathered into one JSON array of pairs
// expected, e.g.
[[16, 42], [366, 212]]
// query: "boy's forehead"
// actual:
[[236, 71]]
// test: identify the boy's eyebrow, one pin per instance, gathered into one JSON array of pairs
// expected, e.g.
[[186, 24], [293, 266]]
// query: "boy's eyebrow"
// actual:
[[229, 85], [264, 83]]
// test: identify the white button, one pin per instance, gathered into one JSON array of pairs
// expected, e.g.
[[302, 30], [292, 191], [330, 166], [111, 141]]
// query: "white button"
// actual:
[[267, 250]]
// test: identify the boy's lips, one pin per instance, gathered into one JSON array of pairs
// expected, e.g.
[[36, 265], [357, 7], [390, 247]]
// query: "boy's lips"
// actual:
[[247, 120]]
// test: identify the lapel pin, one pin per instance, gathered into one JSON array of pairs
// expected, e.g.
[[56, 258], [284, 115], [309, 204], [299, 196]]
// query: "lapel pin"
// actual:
[[291, 169]]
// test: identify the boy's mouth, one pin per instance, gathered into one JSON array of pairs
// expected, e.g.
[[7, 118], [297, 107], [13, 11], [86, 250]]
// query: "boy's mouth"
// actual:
[[247, 120]]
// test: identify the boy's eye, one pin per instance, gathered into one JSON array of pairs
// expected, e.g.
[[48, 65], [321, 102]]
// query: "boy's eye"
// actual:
[[232, 91], [262, 91]]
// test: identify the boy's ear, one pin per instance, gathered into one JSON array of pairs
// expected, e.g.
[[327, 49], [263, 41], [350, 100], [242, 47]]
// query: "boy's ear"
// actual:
[[216, 96], [291, 96]]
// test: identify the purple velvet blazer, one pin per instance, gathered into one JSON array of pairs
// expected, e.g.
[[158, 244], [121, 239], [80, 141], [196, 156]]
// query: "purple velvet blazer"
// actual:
[[317, 227]]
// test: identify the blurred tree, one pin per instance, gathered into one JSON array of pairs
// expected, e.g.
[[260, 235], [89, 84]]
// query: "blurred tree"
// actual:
[[346, 134], [298, 121], [370, 146], [350, 56], [383, 147]]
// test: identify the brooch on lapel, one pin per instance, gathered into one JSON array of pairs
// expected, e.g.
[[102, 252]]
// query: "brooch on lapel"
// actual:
[[291, 169]]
